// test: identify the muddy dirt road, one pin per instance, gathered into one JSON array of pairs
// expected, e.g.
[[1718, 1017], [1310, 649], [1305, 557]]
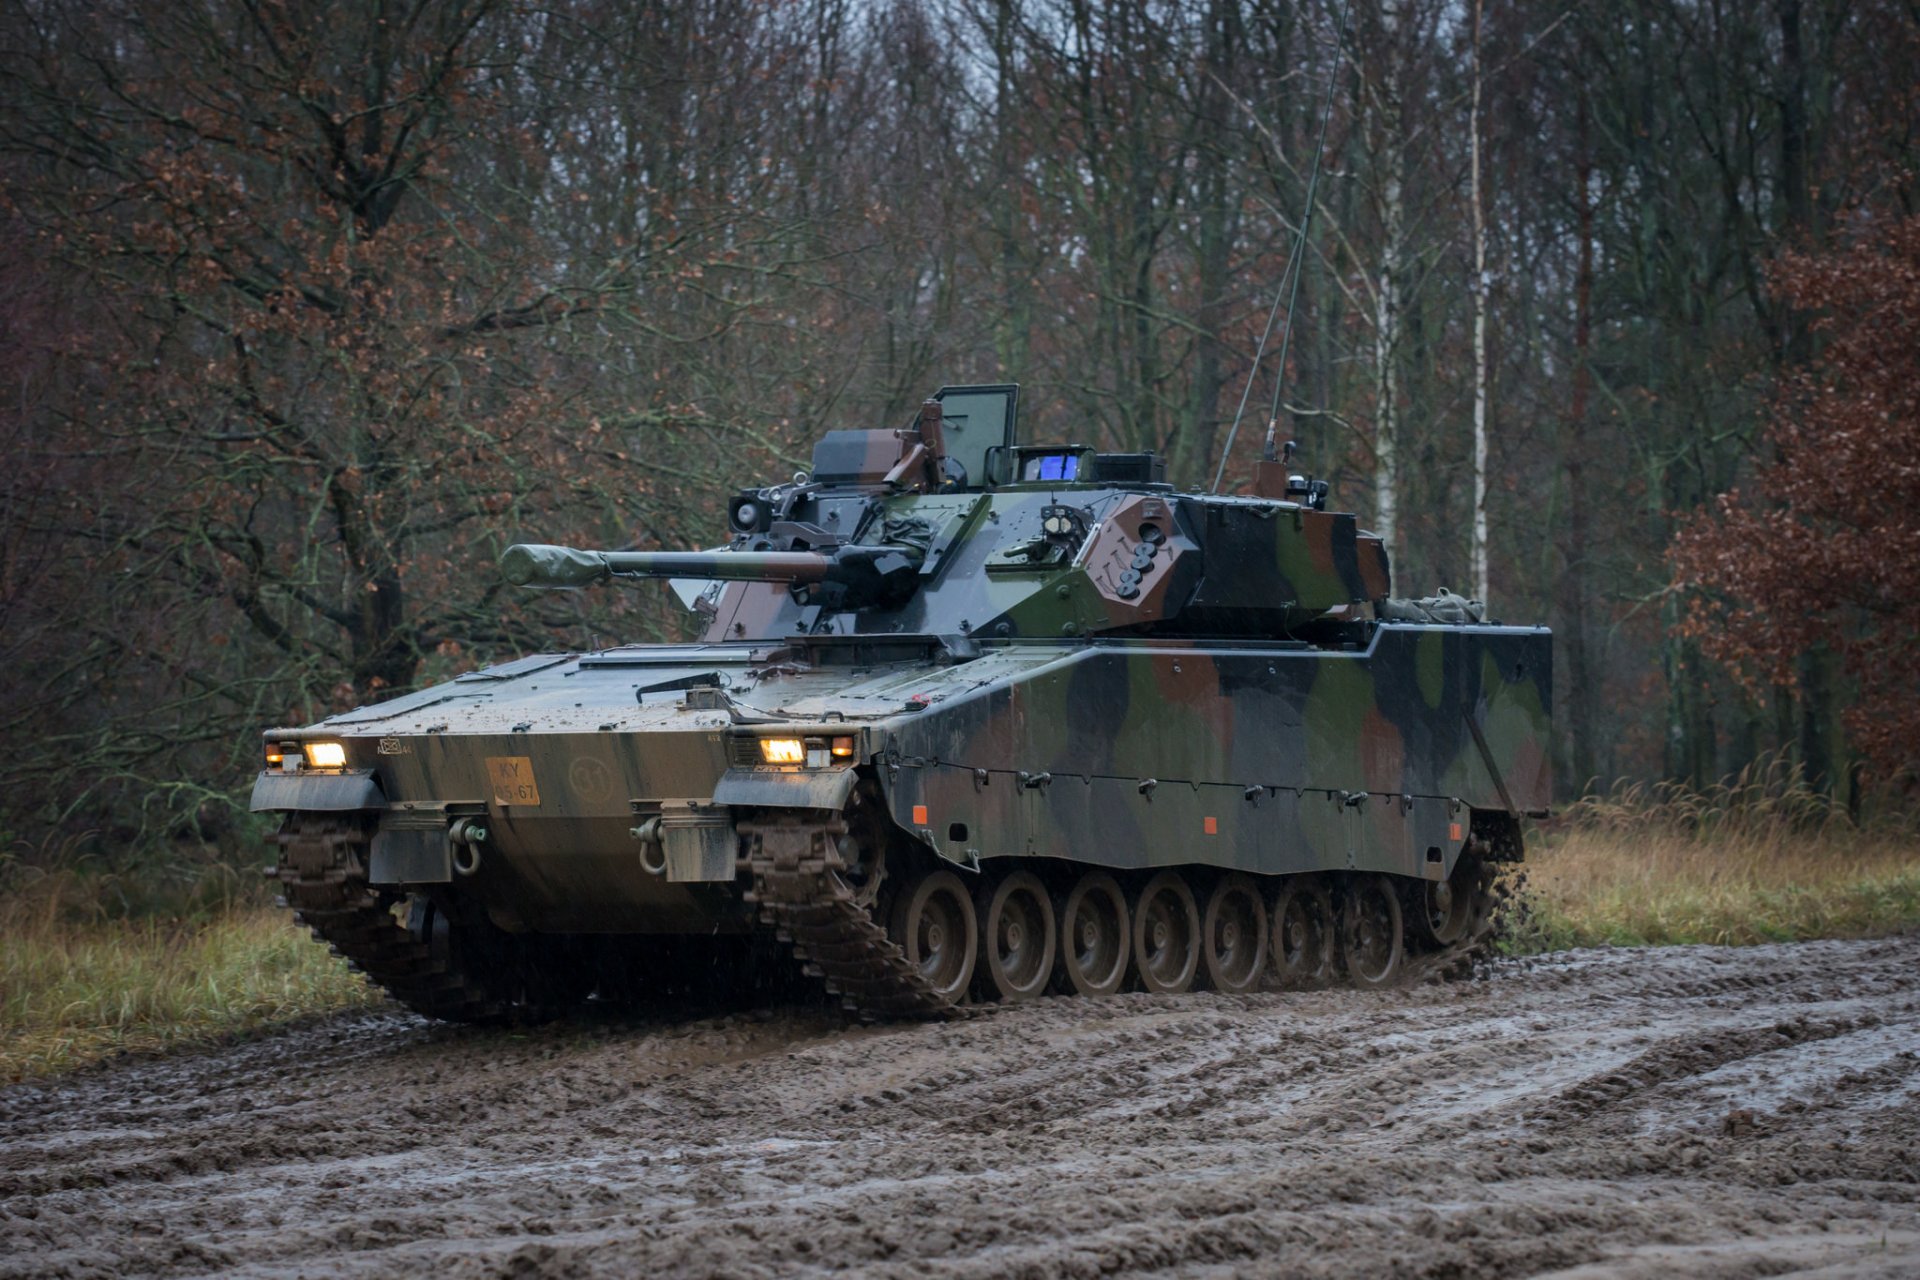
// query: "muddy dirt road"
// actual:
[[1703, 1111]]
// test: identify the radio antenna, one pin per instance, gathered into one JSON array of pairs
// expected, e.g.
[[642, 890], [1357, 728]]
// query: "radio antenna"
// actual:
[[1292, 270]]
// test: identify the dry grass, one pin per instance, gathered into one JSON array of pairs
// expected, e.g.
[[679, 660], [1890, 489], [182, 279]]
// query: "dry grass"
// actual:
[[75, 990], [1756, 858]]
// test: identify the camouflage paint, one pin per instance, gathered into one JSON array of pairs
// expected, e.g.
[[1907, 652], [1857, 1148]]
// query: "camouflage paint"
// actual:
[[1110, 674]]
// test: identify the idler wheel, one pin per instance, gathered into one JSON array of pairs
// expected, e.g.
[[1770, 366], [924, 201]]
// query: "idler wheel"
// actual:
[[1094, 936], [1444, 909], [1017, 938], [1370, 931], [1301, 916], [934, 924], [1166, 934], [1234, 933]]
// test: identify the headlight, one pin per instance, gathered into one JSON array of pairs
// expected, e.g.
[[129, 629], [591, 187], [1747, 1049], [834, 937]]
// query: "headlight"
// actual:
[[783, 751], [813, 753], [326, 755]]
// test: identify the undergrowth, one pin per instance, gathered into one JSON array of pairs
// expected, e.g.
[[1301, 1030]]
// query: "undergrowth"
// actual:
[[1757, 857], [95, 961]]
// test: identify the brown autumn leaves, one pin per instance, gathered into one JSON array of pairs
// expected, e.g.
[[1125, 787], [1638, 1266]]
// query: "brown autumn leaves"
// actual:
[[1823, 549]]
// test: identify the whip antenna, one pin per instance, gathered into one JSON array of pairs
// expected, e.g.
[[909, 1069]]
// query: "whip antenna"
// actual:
[[1292, 270]]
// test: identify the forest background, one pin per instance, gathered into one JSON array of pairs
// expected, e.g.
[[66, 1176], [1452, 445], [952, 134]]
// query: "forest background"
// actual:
[[307, 310]]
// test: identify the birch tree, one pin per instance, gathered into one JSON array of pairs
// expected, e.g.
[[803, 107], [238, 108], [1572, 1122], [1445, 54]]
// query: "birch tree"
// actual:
[[1384, 114], [1481, 375]]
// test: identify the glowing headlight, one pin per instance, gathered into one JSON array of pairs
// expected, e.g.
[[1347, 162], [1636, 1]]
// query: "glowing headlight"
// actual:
[[783, 751], [326, 755]]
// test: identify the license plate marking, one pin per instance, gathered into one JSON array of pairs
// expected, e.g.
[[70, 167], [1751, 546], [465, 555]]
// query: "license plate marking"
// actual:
[[512, 779]]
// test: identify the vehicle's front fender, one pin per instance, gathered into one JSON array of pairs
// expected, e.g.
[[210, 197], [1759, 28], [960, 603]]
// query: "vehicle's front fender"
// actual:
[[274, 791], [813, 789]]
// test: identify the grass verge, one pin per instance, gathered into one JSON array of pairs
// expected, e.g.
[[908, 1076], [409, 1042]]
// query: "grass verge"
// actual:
[[73, 992], [1585, 888], [1758, 857]]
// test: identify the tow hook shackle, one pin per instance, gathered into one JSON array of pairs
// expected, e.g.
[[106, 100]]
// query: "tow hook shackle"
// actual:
[[653, 850], [468, 831], [467, 835]]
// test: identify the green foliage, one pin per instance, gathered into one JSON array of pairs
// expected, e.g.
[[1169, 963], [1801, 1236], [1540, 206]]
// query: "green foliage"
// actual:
[[71, 993], [163, 946]]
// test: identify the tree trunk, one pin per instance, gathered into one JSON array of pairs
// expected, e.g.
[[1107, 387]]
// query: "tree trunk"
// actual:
[[1578, 683], [1816, 700], [1386, 320], [1816, 720], [1013, 327], [1478, 552], [1216, 224]]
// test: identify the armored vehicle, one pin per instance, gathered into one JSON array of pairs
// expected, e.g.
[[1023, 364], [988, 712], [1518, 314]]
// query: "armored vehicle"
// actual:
[[970, 720]]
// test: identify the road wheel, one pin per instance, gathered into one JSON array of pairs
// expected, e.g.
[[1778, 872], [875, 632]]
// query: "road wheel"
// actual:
[[1301, 916], [1370, 931], [1017, 938], [1234, 934], [934, 924], [1166, 934], [1093, 936]]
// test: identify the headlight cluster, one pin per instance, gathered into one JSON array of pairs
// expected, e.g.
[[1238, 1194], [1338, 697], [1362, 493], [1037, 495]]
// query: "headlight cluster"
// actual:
[[814, 753], [289, 757]]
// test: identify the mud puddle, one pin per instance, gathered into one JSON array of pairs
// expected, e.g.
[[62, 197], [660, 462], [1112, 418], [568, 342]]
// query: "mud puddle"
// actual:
[[1613, 1113]]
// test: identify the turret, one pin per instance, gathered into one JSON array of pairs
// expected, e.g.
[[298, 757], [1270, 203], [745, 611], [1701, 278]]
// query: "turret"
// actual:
[[949, 527]]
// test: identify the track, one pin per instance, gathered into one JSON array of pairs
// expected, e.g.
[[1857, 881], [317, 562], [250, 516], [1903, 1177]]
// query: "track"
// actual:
[[322, 874], [796, 869], [1613, 1113], [471, 972], [799, 889]]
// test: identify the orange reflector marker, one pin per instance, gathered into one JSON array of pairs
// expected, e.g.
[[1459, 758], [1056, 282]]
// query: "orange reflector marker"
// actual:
[[919, 815], [1213, 826], [1453, 831]]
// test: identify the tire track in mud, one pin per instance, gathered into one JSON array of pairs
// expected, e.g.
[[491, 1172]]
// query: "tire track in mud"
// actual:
[[1735, 1112]]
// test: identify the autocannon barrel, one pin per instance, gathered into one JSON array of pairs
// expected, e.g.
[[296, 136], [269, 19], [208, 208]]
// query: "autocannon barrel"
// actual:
[[860, 569]]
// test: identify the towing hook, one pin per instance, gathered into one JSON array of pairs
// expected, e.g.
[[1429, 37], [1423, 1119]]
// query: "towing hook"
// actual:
[[653, 850], [466, 835], [467, 831]]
